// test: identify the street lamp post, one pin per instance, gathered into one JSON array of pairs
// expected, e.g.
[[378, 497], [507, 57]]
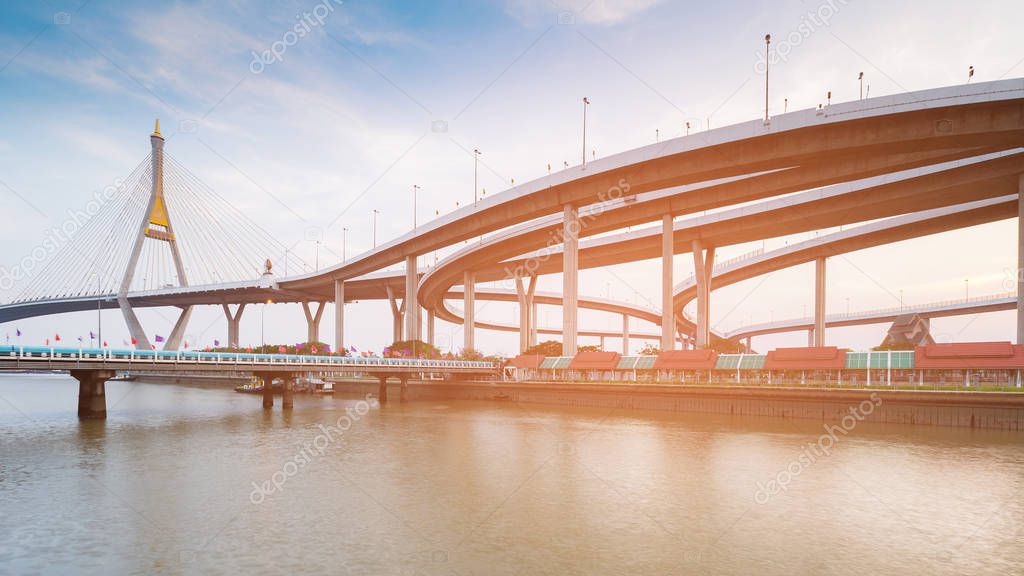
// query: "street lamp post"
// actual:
[[586, 103], [375, 212], [476, 163], [415, 187], [344, 233], [767, 42], [861, 78]]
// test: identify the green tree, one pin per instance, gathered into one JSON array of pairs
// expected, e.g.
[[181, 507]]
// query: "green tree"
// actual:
[[414, 349], [650, 350]]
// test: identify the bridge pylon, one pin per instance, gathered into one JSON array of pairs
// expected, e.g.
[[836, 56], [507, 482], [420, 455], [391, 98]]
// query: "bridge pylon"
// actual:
[[156, 226]]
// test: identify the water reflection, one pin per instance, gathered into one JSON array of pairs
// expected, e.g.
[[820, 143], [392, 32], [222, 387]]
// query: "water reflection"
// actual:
[[164, 486]]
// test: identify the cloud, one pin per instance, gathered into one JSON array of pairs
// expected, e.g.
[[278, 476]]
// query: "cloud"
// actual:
[[601, 12]]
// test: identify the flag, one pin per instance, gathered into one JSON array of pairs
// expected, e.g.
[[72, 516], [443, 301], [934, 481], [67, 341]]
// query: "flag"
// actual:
[[17, 332], [353, 348], [216, 342], [57, 337], [91, 335], [159, 338], [281, 349], [47, 342], [79, 338], [186, 344], [104, 343], [314, 349], [153, 346], [134, 341]]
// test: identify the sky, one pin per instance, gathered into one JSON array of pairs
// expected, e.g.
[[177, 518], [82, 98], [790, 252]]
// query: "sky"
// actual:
[[307, 134]]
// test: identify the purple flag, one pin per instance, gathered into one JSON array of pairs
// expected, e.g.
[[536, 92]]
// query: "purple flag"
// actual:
[[216, 342], [17, 332], [91, 335], [159, 338]]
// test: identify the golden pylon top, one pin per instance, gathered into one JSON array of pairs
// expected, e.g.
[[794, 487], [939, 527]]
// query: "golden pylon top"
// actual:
[[156, 131]]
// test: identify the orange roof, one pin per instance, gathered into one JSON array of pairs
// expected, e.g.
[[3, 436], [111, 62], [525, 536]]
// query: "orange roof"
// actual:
[[527, 361], [819, 358], [595, 361], [969, 355], [686, 360]]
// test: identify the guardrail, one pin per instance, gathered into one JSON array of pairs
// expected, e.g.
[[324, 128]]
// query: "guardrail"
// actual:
[[32, 354]]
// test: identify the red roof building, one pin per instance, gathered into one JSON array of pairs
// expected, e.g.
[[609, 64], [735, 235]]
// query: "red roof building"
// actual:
[[819, 358], [595, 361], [530, 361], [686, 360], [963, 355]]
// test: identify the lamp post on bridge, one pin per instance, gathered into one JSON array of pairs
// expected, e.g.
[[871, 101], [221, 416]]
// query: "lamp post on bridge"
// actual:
[[767, 42], [344, 232], [375, 212], [415, 188], [263, 311], [476, 166]]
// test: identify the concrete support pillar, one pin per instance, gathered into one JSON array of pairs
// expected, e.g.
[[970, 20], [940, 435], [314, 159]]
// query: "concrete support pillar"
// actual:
[[750, 345], [703, 265], [1020, 259], [92, 396], [234, 320], [339, 315], [819, 302], [397, 312], [525, 297], [625, 334], [313, 321], [570, 279], [430, 328], [268, 390], [533, 324], [667, 318], [287, 402], [469, 303], [412, 307], [810, 337], [178, 332], [403, 394], [382, 389]]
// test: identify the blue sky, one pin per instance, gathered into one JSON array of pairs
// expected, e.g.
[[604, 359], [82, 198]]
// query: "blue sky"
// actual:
[[341, 125]]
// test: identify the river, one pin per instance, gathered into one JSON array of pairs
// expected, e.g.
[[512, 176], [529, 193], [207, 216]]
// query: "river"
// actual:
[[194, 480]]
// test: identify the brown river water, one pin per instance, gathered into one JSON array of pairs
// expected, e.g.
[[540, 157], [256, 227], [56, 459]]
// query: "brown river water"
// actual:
[[193, 480]]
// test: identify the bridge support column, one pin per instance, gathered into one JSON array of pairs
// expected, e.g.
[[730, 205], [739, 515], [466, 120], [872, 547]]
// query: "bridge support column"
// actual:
[[525, 306], [1020, 259], [403, 395], [397, 313], [287, 391], [625, 334], [268, 390], [533, 324], [339, 315], [313, 321], [667, 250], [382, 389], [430, 328], [819, 302], [178, 333], [92, 397], [412, 307], [703, 265], [749, 347], [570, 278], [469, 303], [233, 322]]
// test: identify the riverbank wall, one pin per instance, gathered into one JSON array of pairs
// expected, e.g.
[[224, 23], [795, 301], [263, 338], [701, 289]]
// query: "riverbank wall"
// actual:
[[983, 410]]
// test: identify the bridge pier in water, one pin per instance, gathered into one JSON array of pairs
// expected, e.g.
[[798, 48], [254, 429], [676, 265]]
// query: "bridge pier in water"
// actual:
[[92, 397]]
